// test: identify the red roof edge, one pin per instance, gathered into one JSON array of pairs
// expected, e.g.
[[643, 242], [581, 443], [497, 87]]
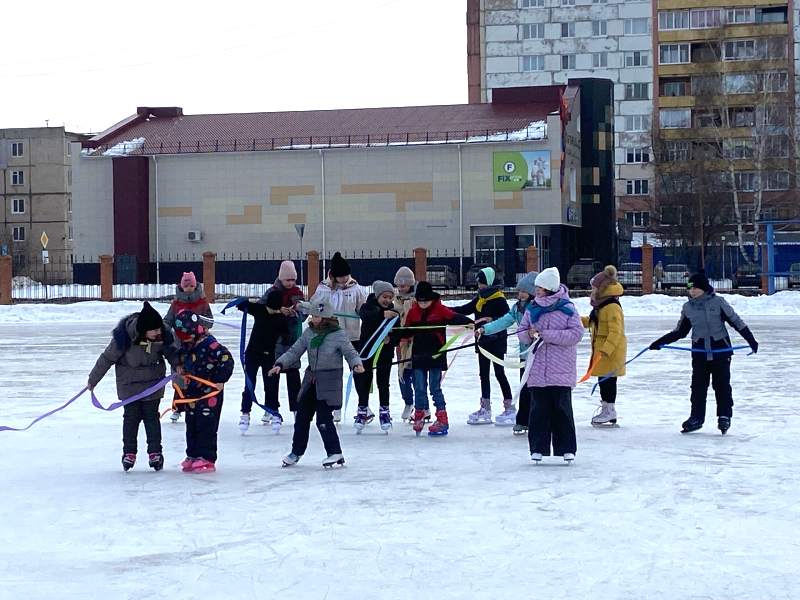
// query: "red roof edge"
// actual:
[[142, 113]]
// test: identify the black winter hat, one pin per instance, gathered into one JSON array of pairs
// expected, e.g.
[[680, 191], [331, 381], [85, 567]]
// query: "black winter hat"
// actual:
[[275, 300], [148, 319], [339, 266], [424, 292], [699, 280]]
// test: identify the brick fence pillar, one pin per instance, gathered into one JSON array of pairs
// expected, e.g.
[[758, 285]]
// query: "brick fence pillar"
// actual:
[[210, 276], [647, 269], [312, 272], [106, 277], [6, 275], [531, 259], [764, 269], [420, 264]]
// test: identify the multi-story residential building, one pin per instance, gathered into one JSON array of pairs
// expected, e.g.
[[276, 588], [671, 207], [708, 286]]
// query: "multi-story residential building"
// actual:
[[36, 169]]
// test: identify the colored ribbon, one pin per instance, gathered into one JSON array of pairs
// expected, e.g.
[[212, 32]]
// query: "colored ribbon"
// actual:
[[499, 361], [591, 368], [380, 333]]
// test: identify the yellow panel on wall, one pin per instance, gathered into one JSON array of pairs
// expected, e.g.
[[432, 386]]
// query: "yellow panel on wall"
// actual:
[[512, 203], [297, 217], [251, 216], [279, 194], [403, 192]]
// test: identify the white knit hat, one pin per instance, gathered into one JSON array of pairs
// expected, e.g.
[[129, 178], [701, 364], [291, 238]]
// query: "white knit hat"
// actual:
[[549, 279]]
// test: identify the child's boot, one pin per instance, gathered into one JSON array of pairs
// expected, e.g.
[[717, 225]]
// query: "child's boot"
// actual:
[[156, 461], [186, 465], [483, 415], [370, 415], [440, 426], [244, 422], [408, 412], [128, 460], [691, 424], [201, 465], [175, 416], [360, 419], [277, 422], [724, 423], [509, 414], [418, 420], [607, 414], [385, 418]]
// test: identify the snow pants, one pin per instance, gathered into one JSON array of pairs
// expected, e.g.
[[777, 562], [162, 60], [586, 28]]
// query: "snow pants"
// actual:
[[133, 414], [484, 365], [382, 374], [202, 424], [551, 420], [263, 361], [309, 405], [608, 390], [718, 372]]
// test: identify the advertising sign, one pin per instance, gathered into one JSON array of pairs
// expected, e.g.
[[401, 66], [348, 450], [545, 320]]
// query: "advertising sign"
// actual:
[[514, 171]]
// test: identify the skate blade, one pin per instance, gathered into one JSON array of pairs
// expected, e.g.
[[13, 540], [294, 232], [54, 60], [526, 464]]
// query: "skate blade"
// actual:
[[480, 422], [339, 462], [437, 433], [504, 424], [608, 425]]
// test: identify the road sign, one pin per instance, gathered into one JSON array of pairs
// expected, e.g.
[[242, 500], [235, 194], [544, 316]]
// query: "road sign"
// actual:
[[44, 239], [45, 257], [300, 227]]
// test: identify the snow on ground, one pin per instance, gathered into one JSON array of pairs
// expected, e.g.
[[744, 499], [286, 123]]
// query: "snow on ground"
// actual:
[[644, 512]]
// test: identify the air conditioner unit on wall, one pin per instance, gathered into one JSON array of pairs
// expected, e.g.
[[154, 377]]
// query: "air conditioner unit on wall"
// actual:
[[195, 236]]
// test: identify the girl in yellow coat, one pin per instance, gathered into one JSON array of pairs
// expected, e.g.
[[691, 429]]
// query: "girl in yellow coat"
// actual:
[[607, 326]]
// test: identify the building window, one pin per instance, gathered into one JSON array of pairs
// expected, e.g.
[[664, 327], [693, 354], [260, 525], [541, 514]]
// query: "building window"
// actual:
[[16, 149], [69, 176], [776, 114], [706, 19], [489, 249], [637, 91], [69, 149], [69, 204], [776, 146], [745, 181], [638, 187], [739, 50], [638, 218], [17, 178], [18, 206], [637, 155], [675, 118], [568, 30], [637, 123], [676, 19], [567, 61], [637, 26], [532, 3], [708, 118], [599, 1], [672, 215], [740, 83], [739, 148], [599, 28], [773, 81], [676, 150], [743, 116], [674, 88], [600, 60], [533, 31], [533, 63], [778, 180], [772, 14], [70, 233], [18, 234], [673, 54], [735, 16], [567, 2], [637, 59]]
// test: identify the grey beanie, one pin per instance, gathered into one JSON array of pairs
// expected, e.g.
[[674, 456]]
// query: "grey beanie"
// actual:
[[528, 283], [405, 276], [379, 287], [318, 306]]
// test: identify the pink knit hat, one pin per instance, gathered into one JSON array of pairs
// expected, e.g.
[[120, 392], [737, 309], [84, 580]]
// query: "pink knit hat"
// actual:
[[188, 279], [287, 270]]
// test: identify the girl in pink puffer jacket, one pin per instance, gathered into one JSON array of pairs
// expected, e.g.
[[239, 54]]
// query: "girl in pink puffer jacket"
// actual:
[[552, 322]]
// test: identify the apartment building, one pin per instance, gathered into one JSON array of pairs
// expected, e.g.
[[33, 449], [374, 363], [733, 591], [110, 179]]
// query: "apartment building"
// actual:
[[36, 171]]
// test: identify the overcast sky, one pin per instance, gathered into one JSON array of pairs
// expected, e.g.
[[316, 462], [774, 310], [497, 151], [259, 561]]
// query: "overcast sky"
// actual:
[[89, 64]]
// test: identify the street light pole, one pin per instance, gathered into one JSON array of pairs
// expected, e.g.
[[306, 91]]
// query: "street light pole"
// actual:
[[723, 258], [301, 227]]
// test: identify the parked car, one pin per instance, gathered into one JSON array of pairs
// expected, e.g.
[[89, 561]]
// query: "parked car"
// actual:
[[442, 276], [581, 273], [630, 274], [794, 280], [676, 275], [471, 276], [747, 275]]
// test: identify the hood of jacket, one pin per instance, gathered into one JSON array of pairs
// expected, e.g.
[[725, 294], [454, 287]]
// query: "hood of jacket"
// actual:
[[334, 285], [615, 289], [187, 298], [561, 294]]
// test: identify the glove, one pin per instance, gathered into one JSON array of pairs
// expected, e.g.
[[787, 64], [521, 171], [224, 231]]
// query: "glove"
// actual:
[[750, 339], [754, 346], [655, 345]]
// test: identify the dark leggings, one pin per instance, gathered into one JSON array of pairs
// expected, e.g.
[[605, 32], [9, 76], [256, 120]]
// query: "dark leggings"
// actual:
[[382, 376], [608, 390], [499, 373], [133, 414], [308, 407]]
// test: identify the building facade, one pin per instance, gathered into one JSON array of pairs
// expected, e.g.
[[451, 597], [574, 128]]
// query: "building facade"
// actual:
[[36, 169]]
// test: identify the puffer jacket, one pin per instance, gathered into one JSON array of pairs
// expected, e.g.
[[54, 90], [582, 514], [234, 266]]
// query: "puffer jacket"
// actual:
[[608, 334], [512, 318], [196, 302], [555, 358], [346, 299], [291, 297], [324, 362], [206, 359], [372, 319], [137, 366], [490, 302], [428, 342]]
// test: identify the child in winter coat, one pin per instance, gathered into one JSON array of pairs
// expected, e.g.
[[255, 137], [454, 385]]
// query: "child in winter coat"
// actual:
[[552, 319], [207, 365], [403, 300], [428, 367], [705, 315], [489, 305], [188, 296], [346, 297], [139, 346], [374, 314], [269, 328], [606, 325], [321, 392], [527, 290]]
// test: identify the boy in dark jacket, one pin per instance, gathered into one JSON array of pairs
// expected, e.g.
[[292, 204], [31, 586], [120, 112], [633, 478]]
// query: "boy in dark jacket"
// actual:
[[489, 305], [705, 315], [139, 346], [427, 366], [374, 312], [269, 327], [208, 365]]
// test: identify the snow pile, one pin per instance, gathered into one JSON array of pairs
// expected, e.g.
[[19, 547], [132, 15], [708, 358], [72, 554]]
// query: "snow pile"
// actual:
[[124, 148]]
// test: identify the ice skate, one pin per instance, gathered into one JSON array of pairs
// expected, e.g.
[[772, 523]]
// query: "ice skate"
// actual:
[[186, 465], [509, 415], [418, 421], [723, 424], [290, 459], [337, 416], [277, 422], [266, 419], [568, 457], [440, 426], [536, 457], [482, 416], [156, 461], [244, 423], [520, 429], [360, 420], [333, 459], [201, 465], [607, 417], [691, 424], [385, 418], [408, 412], [128, 460], [175, 416], [370, 415]]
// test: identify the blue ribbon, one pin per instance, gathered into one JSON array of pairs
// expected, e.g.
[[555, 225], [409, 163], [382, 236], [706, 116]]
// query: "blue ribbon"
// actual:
[[383, 331]]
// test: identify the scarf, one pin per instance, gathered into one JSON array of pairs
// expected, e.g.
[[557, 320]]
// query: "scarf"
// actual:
[[594, 316], [322, 332], [482, 300], [536, 311]]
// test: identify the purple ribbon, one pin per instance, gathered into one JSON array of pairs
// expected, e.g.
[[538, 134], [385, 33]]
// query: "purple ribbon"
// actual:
[[44, 416]]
